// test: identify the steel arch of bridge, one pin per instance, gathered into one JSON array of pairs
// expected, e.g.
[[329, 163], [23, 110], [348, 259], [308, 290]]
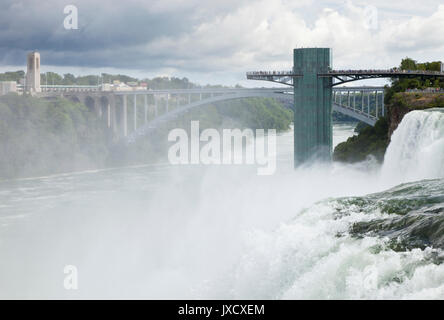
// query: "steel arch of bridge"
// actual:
[[345, 106], [215, 96], [116, 109]]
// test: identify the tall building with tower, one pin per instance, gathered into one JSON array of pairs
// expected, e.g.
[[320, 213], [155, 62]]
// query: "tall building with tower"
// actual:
[[32, 83]]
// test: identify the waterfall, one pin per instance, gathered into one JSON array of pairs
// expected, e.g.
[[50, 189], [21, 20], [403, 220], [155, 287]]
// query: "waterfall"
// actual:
[[416, 150]]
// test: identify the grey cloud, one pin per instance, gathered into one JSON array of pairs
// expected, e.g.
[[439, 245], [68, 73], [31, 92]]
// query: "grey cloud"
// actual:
[[110, 33], [195, 36]]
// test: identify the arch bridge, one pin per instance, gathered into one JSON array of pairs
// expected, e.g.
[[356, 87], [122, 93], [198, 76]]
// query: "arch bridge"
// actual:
[[131, 114]]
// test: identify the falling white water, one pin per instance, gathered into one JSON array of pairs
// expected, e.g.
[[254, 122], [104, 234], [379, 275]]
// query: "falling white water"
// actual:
[[416, 150]]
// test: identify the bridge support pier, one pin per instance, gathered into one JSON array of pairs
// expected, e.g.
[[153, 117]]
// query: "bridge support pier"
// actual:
[[108, 111], [113, 116], [362, 101], [135, 112], [376, 103], [155, 106], [368, 103], [125, 115], [146, 108]]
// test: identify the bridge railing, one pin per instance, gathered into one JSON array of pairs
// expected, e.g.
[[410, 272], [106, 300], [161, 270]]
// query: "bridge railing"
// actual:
[[286, 73], [393, 71], [57, 88]]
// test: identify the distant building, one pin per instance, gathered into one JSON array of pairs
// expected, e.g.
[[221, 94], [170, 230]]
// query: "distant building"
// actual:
[[121, 87], [33, 73], [106, 87], [7, 86]]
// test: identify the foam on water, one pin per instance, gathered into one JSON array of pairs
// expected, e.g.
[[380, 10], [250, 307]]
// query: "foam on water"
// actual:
[[314, 257]]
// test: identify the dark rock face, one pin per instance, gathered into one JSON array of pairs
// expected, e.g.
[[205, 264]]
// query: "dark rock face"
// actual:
[[396, 112]]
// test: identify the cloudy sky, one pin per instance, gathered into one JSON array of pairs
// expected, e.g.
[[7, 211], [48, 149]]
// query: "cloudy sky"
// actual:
[[216, 41]]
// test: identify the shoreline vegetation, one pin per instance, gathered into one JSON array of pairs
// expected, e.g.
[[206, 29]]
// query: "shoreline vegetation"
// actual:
[[401, 97]]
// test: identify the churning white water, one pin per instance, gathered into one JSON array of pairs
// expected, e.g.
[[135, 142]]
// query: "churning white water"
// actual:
[[213, 232]]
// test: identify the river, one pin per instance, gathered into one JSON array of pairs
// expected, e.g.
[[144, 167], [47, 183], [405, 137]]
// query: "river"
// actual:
[[323, 231]]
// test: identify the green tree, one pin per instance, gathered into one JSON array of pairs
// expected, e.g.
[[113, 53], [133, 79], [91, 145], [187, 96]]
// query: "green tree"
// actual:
[[408, 64], [12, 76], [69, 79]]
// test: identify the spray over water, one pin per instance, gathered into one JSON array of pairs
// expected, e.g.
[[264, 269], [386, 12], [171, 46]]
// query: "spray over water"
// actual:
[[321, 231]]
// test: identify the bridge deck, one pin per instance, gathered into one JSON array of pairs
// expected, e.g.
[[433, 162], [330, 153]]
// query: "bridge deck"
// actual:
[[342, 76], [383, 73]]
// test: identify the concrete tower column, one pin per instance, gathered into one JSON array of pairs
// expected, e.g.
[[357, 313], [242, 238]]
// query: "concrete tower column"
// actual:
[[313, 105]]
